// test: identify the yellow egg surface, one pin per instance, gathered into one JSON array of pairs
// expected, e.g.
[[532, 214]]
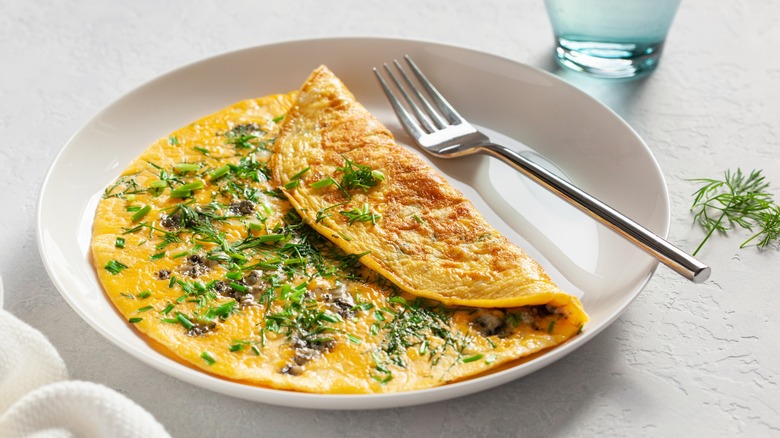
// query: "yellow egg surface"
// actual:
[[199, 249]]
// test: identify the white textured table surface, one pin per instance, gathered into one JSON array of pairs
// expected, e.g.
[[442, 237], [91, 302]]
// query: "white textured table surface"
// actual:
[[683, 359]]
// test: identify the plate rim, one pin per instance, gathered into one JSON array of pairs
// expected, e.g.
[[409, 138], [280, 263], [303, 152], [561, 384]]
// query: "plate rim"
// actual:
[[339, 401]]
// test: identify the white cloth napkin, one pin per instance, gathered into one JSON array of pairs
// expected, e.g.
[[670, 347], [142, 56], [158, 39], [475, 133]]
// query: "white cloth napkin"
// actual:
[[37, 399]]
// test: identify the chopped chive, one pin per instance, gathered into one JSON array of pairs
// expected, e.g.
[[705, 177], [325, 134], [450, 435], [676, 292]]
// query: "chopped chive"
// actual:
[[238, 346], [186, 167], [235, 275], [119, 242], [551, 326], [344, 236], [219, 172], [195, 185], [141, 213], [255, 350], [157, 256], [203, 151], [382, 380], [300, 174], [325, 182], [417, 218], [134, 320], [256, 226], [363, 306], [278, 119], [144, 309], [332, 318], [292, 184], [206, 356], [159, 184], [378, 175], [180, 254], [127, 295], [145, 294], [172, 140], [236, 256], [354, 339], [169, 320], [183, 320], [295, 261], [239, 287], [168, 309], [270, 238], [133, 208], [179, 193], [114, 267], [473, 358], [172, 282], [399, 300]]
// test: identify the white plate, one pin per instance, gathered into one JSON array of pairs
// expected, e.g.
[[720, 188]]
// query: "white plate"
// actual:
[[594, 147]]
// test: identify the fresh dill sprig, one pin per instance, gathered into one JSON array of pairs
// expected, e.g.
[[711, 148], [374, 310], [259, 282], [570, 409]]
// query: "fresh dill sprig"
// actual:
[[736, 201], [769, 222]]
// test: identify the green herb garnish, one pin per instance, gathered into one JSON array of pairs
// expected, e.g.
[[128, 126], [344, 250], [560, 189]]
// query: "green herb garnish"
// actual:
[[359, 176], [219, 172], [362, 214], [114, 267], [138, 215], [183, 320], [737, 201], [208, 358], [186, 167], [473, 358]]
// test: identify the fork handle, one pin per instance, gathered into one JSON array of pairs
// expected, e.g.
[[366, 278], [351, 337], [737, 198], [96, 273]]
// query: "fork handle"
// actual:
[[668, 254]]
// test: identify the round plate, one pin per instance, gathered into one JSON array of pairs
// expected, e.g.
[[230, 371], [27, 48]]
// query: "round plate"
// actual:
[[515, 103]]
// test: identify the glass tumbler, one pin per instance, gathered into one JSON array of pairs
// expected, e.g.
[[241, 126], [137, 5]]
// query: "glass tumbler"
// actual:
[[611, 38]]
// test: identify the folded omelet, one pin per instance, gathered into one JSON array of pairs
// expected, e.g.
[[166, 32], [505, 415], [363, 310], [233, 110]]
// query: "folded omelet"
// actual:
[[308, 272], [406, 221]]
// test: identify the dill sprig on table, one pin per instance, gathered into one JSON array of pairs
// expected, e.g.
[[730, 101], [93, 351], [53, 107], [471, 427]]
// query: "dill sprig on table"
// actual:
[[737, 201]]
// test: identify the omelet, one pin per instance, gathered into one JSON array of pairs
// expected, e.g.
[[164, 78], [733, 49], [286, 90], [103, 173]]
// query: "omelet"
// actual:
[[199, 247], [374, 198]]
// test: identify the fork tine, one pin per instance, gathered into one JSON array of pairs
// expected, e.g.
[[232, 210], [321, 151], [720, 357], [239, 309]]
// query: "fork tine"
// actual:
[[421, 117], [441, 102], [434, 115], [404, 116]]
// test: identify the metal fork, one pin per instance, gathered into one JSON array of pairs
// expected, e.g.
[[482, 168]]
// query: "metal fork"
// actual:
[[438, 128]]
